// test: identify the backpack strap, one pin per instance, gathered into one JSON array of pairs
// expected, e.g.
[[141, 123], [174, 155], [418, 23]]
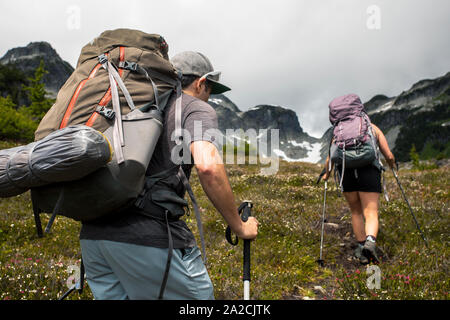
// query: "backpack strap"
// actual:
[[343, 169], [37, 211], [108, 66], [198, 217], [56, 210], [145, 73], [178, 109], [169, 257], [133, 66], [115, 80], [37, 218]]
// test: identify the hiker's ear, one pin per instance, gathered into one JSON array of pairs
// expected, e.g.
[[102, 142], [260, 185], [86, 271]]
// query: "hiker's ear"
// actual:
[[200, 82]]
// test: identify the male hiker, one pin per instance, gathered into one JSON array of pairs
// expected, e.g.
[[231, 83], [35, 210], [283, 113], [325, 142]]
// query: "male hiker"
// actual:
[[125, 254]]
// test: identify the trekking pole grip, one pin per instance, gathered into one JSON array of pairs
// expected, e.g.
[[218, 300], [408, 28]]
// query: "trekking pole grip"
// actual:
[[324, 171]]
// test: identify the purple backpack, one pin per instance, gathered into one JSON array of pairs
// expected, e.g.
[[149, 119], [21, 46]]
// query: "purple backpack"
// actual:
[[353, 144], [350, 121]]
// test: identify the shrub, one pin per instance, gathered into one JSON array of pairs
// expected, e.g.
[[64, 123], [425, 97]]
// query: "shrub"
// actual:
[[15, 125]]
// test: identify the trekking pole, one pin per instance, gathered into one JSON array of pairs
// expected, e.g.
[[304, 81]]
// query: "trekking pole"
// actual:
[[409, 206], [245, 212], [320, 261]]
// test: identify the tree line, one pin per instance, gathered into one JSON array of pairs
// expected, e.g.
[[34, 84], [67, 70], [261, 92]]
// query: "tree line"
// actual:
[[18, 121]]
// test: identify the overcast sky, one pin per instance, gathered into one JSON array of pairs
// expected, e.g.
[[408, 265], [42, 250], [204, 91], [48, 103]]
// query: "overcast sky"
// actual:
[[293, 53]]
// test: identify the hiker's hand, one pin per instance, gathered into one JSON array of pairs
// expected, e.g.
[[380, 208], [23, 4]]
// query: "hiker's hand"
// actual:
[[326, 176], [249, 229], [391, 161]]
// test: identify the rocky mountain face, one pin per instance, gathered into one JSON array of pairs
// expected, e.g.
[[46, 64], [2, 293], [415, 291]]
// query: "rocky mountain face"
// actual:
[[294, 143], [27, 60], [419, 116]]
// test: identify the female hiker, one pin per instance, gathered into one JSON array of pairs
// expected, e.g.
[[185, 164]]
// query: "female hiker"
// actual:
[[362, 187]]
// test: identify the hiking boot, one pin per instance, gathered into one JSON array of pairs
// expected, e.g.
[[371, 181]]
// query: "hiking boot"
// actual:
[[360, 256], [369, 250]]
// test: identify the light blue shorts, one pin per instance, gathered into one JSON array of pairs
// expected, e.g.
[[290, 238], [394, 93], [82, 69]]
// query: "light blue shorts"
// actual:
[[118, 271]]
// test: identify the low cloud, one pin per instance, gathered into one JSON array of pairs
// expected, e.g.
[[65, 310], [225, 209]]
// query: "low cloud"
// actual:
[[298, 54]]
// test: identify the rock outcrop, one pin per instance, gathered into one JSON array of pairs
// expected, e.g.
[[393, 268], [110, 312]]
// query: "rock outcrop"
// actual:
[[27, 60]]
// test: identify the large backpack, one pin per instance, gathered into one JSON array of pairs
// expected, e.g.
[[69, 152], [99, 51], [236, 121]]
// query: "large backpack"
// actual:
[[130, 120], [353, 144], [121, 85]]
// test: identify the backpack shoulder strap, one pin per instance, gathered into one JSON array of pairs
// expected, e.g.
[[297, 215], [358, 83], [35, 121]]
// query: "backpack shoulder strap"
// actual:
[[178, 109]]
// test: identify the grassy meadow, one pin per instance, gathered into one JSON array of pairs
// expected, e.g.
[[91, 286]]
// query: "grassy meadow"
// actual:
[[283, 266]]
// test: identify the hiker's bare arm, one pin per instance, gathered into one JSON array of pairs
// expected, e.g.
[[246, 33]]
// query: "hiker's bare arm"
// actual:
[[327, 172], [384, 147], [216, 185]]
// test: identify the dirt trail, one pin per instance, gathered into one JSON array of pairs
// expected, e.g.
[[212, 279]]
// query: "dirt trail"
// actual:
[[342, 230]]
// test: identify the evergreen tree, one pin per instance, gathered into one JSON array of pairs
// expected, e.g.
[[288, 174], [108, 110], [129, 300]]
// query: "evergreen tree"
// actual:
[[37, 94], [11, 83], [414, 156]]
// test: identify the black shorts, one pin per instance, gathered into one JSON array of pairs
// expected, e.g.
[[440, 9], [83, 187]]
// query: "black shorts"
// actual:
[[365, 179]]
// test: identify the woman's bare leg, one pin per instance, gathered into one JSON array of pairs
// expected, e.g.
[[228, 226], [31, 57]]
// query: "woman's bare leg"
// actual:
[[354, 203], [369, 204]]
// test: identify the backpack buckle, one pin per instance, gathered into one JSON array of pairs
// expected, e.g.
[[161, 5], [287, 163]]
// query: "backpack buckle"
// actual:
[[102, 59], [107, 113], [128, 65]]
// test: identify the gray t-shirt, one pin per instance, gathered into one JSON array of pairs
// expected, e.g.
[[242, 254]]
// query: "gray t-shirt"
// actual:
[[131, 226]]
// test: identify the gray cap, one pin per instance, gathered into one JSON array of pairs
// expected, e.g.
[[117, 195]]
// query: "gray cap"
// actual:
[[195, 63]]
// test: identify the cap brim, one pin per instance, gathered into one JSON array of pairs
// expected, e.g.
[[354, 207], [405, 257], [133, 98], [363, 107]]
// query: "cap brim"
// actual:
[[218, 87]]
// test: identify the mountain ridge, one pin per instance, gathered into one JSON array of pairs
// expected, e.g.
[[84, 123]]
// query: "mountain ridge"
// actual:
[[28, 58], [419, 115], [295, 144]]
